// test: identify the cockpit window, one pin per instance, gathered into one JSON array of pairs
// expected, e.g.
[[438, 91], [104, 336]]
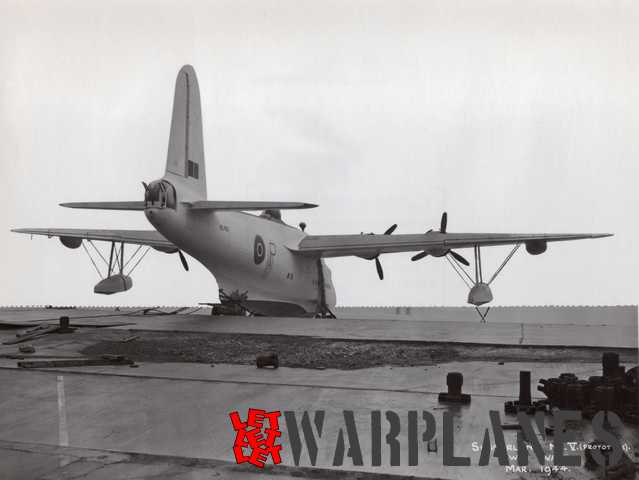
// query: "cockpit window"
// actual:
[[160, 194], [272, 214]]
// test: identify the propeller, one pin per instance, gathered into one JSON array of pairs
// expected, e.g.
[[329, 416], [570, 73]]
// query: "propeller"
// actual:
[[459, 258], [419, 256], [443, 223], [390, 229], [380, 270], [442, 229], [183, 260], [378, 264]]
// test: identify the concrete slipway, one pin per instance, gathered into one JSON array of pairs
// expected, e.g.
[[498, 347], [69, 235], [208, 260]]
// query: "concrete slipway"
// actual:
[[170, 420]]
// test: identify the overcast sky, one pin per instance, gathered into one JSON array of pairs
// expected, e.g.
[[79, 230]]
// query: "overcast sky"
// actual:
[[511, 116]]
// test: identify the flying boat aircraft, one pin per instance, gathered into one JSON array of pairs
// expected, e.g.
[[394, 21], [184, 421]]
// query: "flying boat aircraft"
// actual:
[[271, 268]]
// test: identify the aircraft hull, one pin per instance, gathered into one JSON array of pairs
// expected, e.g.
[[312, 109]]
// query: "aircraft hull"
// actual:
[[250, 254]]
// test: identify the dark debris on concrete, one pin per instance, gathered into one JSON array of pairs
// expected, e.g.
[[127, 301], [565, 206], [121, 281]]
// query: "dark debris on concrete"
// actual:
[[312, 352]]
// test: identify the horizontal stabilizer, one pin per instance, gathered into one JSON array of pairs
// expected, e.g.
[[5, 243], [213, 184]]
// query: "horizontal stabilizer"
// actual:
[[219, 205], [105, 205]]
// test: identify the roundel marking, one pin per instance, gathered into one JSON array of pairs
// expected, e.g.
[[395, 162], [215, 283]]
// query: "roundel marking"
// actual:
[[259, 251]]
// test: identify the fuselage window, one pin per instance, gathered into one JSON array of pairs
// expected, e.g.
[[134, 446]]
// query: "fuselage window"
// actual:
[[193, 169]]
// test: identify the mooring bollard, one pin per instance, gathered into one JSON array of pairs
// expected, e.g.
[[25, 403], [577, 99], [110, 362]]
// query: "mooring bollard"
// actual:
[[525, 403], [610, 364], [454, 381], [64, 325], [525, 397]]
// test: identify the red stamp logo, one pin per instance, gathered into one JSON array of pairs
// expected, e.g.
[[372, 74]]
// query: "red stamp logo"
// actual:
[[254, 440]]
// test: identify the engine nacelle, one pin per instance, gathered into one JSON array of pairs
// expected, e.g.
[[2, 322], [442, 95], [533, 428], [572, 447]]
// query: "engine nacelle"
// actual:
[[71, 242], [536, 247]]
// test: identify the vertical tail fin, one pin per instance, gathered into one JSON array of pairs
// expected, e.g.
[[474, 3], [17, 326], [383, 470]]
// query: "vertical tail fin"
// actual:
[[185, 159]]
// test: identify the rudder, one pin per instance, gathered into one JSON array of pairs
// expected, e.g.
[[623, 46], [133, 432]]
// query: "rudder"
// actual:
[[185, 159]]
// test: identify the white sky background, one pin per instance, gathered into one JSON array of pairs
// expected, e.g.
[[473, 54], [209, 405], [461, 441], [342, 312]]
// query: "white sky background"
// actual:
[[512, 116]]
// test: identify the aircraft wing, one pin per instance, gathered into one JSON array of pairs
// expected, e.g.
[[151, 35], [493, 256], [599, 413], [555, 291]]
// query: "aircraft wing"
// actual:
[[151, 238], [369, 245]]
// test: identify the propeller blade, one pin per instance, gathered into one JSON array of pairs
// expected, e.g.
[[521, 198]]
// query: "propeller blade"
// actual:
[[419, 256], [391, 229], [459, 258], [444, 222], [380, 270], [146, 187], [183, 260]]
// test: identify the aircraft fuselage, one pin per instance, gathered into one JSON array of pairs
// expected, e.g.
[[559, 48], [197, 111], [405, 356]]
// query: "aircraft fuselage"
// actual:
[[247, 253]]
